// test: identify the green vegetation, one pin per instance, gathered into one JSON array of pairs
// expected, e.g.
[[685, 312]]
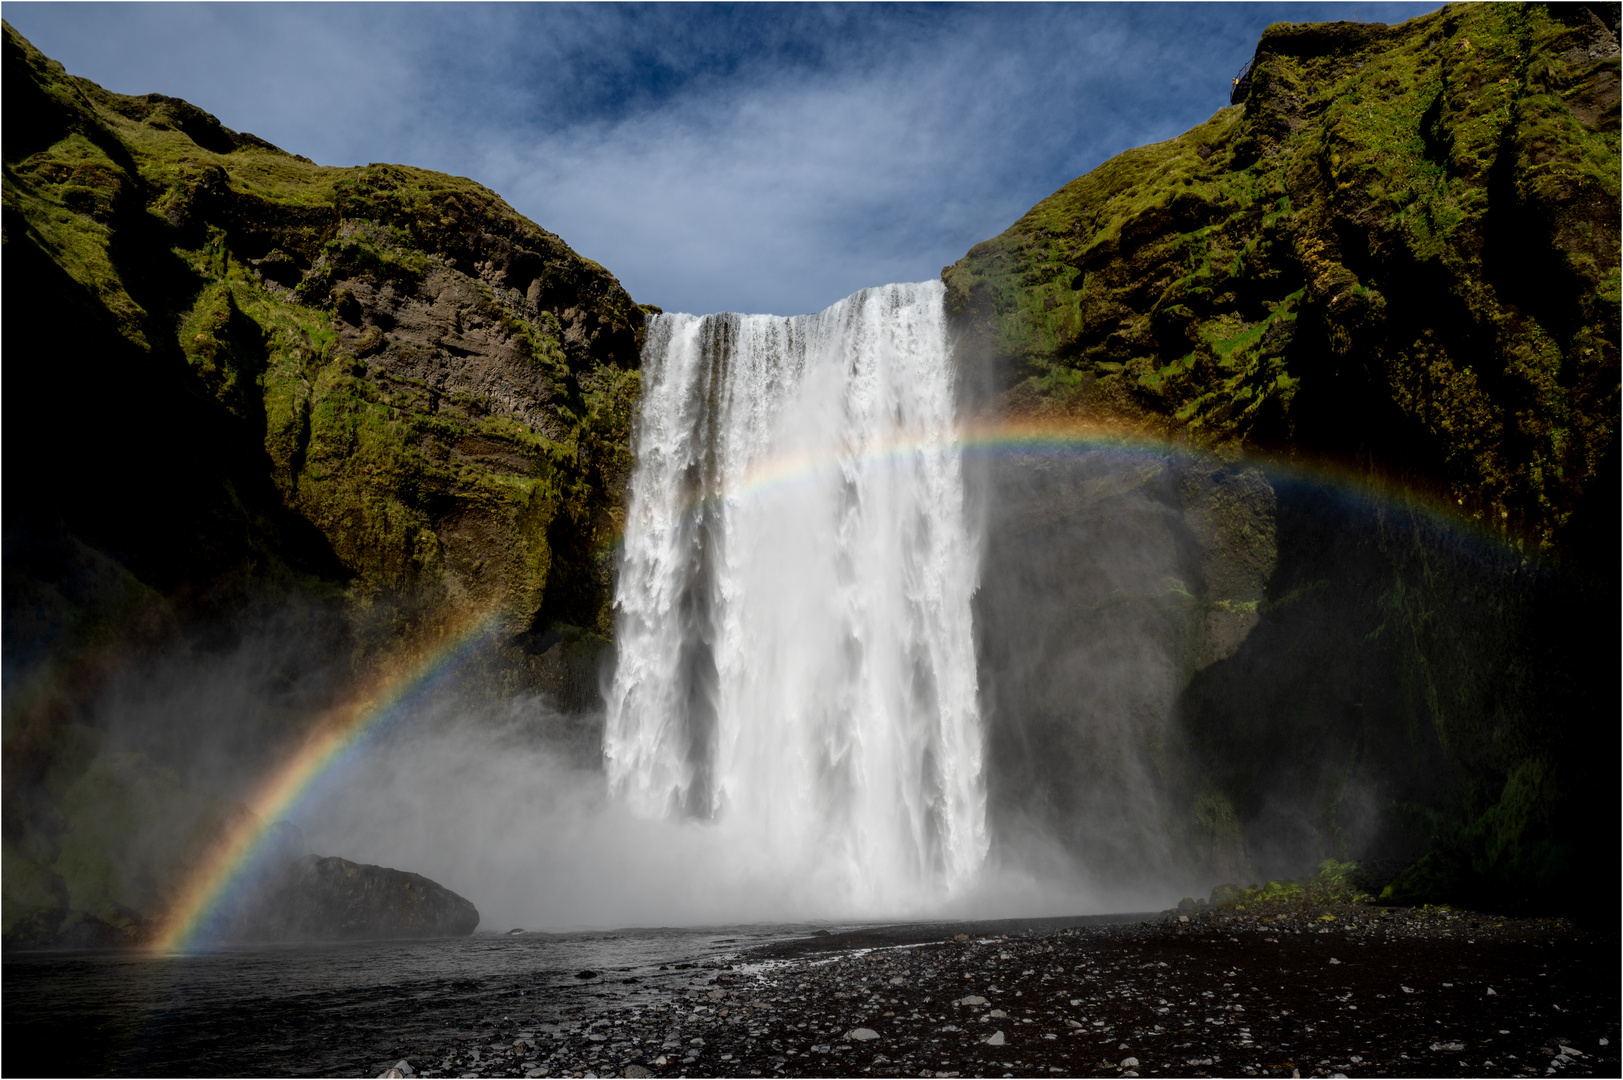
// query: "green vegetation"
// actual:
[[247, 384], [1335, 883], [1399, 258], [354, 322], [1402, 248]]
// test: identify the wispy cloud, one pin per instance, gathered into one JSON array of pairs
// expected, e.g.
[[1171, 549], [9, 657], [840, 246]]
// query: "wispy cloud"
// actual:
[[763, 158]]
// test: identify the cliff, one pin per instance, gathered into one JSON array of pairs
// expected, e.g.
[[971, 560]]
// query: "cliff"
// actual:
[[1346, 584], [1401, 250], [380, 377], [266, 412]]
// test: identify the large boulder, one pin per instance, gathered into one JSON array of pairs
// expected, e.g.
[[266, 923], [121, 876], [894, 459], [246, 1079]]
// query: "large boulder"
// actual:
[[325, 898]]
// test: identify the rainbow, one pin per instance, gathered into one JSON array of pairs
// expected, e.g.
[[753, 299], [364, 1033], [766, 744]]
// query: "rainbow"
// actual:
[[333, 736], [338, 732], [1068, 434]]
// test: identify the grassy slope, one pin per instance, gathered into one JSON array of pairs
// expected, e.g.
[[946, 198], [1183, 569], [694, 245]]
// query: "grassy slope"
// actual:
[[1402, 248]]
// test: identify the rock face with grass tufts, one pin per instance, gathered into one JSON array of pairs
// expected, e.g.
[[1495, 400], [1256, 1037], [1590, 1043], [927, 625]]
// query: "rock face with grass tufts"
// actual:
[[1399, 257], [243, 386], [381, 376], [1401, 249]]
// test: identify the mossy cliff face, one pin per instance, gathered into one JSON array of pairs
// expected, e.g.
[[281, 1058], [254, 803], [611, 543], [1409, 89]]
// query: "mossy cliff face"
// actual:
[[1402, 249], [267, 413], [1398, 259], [442, 388]]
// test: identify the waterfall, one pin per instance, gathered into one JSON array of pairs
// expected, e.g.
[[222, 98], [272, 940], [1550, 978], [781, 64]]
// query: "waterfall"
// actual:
[[795, 658]]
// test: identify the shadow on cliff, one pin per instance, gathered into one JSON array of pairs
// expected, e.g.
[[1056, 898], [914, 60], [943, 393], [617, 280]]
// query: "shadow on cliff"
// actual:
[[1196, 673], [1423, 699]]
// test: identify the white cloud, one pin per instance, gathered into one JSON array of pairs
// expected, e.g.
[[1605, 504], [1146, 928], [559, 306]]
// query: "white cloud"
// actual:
[[758, 158]]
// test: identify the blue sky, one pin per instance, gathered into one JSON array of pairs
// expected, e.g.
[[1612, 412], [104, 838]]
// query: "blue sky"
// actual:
[[714, 157]]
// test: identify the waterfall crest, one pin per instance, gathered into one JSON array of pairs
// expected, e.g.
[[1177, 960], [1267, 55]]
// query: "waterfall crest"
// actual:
[[796, 663]]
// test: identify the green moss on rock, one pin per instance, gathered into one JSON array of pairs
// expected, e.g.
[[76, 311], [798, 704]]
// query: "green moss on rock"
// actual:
[[1401, 248], [426, 370]]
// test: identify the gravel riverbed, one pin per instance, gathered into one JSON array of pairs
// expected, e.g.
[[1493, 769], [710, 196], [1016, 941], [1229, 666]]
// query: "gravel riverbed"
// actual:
[[1346, 989]]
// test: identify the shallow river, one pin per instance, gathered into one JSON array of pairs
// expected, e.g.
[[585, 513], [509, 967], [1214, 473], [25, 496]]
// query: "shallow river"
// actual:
[[319, 1009]]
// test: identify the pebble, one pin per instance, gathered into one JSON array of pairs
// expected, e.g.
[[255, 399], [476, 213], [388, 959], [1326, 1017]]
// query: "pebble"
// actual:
[[1174, 993]]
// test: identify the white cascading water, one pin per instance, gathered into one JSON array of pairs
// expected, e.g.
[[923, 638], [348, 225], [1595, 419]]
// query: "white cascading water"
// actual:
[[796, 665]]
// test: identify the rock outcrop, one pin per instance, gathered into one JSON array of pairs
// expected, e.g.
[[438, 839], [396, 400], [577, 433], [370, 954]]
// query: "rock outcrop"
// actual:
[[381, 376], [317, 898], [1402, 250]]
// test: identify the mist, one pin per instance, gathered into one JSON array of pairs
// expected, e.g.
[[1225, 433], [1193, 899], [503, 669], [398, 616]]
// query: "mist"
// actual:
[[468, 799], [1167, 649]]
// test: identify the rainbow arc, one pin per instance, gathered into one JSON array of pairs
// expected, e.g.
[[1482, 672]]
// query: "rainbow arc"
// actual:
[[334, 735]]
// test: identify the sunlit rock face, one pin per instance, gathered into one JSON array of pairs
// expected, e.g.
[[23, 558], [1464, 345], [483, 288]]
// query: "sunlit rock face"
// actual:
[[796, 660], [1401, 251]]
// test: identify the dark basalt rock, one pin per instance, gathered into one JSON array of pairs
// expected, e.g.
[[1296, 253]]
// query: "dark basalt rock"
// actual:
[[324, 898]]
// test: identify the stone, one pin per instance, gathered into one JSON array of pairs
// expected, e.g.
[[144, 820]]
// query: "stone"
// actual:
[[391, 1073], [862, 1034], [1072, 1024], [995, 1039], [1333, 960], [636, 1071], [1129, 1063], [324, 898], [960, 937], [972, 999]]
